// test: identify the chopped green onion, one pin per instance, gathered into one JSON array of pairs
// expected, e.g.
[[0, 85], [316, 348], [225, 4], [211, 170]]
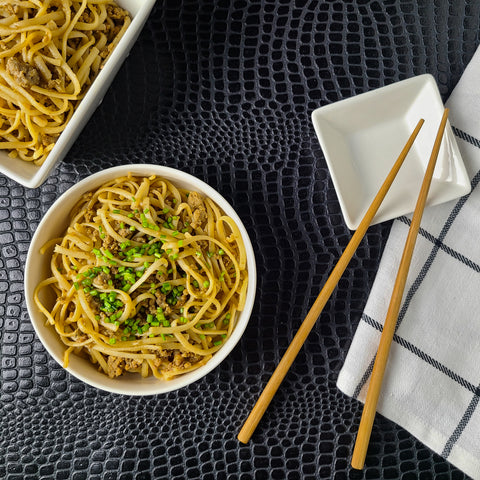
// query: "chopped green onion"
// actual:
[[166, 287]]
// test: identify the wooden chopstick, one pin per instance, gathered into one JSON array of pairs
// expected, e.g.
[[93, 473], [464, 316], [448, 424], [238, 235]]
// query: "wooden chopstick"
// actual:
[[374, 387], [317, 307]]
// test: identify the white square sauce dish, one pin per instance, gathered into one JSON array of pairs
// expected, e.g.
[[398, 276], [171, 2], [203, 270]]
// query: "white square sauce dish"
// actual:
[[362, 136]]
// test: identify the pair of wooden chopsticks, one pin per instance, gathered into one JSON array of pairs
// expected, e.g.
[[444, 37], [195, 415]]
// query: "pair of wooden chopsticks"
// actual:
[[317, 307], [375, 384]]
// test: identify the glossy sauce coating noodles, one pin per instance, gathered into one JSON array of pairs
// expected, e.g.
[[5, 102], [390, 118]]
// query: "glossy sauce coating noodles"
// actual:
[[50, 53], [148, 278]]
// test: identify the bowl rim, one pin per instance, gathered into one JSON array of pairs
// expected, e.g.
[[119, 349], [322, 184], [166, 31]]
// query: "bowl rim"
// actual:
[[44, 332]]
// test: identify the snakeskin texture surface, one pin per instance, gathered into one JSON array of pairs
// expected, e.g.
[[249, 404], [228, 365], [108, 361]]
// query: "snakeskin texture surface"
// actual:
[[224, 90]]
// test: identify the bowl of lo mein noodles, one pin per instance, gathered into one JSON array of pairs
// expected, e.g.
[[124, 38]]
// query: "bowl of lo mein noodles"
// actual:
[[58, 59], [140, 279]]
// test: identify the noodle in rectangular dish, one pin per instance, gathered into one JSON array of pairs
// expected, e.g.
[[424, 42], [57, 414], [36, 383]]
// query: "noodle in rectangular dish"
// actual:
[[50, 53], [147, 278]]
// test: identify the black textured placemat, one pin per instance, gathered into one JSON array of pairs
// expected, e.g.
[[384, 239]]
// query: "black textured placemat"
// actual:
[[224, 90]]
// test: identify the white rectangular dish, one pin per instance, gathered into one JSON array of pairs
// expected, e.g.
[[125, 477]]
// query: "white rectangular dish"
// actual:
[[32, 176]]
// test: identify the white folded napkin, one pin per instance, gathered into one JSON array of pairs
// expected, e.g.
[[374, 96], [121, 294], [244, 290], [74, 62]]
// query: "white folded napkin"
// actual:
[[432, 382]]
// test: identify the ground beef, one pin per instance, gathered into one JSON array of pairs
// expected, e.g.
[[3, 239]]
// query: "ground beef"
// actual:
[[88, 216], [94, 304], [227, 261], [118, 365], [55, 84], [94, 233], [115, 365], [109, 243], [131, 364], [183, 360], [183, 299], [178, 359], [123, 232], [87, 16], [199, 212], [169, 360], [23, 73], [116, 13], [199, 218], [48, 139], [195, 200], [161, 301], [151, 307], [102, 280]]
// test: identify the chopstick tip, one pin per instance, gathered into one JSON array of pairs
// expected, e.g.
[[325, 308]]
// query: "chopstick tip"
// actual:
[[242, 438]]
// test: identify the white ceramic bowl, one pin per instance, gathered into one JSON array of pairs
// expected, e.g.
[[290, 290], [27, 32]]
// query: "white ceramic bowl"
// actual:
[[362, 136], [54, 224], [32, 176]]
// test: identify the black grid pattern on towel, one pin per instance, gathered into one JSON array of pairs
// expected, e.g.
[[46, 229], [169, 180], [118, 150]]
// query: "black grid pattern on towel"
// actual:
[[437, 246]]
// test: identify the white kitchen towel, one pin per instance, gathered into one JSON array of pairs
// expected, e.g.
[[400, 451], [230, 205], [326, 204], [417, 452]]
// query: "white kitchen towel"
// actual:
[[432, 382]]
